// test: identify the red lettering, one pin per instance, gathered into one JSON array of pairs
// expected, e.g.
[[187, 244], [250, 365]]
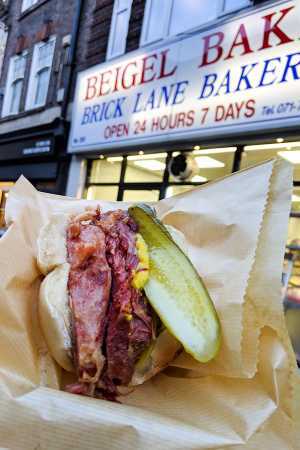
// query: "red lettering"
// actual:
[[269, 29], [163, 71], [107, 132], [117, 79], [104, 82], [239, 107], [181, 119], [250, 106], [133, 76], [220, 112], [209, 46], [190, 118], [91, 86], [146, 69], [155, 124], [241, 38]]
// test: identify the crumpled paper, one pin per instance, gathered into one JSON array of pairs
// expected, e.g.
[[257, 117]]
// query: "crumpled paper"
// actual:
[[246, 398]]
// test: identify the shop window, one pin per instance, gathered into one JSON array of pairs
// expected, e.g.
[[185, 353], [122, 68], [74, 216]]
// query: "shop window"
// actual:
[[296, 205], [40, 73], [14, 84], [119, 28], [145, 168], [26, 4], [172, 17], [234, 5], [106, 170], [108, 193], [208, 164], [140, 195], [290, 151]]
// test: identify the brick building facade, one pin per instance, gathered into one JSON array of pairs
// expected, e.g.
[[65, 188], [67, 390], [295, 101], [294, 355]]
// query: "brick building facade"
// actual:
[[33, 87]]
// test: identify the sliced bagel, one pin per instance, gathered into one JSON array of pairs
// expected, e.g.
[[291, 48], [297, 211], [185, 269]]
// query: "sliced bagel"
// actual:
[[54, 315], [51, 243]]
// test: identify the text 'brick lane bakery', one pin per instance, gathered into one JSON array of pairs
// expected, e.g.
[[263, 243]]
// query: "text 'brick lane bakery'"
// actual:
[[190, 108]]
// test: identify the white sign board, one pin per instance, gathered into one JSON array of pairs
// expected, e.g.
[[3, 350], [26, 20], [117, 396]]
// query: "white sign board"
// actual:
[[240, 76]]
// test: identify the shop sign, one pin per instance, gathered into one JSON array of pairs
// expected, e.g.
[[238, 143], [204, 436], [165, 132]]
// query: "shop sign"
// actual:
[[26, 147], [240, 76]]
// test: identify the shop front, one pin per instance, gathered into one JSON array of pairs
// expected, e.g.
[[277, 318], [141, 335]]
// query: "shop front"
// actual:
[[171, 116], [39, 155]]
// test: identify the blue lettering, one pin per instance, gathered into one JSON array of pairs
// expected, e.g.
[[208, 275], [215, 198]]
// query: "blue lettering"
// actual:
[[107, 115], [165, 94], [86, 115], [268, 70], [244, 77], [150, 100], [225, 83], [290, 66], [209, 84], [179, 92], [118, 110], [137, 101]]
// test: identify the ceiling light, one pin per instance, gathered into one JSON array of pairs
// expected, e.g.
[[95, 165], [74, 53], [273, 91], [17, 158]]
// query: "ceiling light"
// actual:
[[198, 179], [141, 152], [147, 156], [279, 140], [292, 156], [212, 151], [295, 198], [207, 162], [271, 146], [197, 147], [113, 159], [101, 156], [150, 164]]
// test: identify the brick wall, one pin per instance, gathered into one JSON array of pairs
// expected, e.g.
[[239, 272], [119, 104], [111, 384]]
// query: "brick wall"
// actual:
[[30, 25], [94, 31], [92, 39]]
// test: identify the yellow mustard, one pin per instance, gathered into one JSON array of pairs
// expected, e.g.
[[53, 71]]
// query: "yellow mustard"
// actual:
[[141, 273]]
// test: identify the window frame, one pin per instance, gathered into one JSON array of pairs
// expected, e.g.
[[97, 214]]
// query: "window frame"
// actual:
[[10, 80], [221, 12], [34, 70], [25, 7], [112, 34]]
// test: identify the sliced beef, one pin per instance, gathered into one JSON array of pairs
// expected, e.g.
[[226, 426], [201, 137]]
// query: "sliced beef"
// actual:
[[129, 325], [89, 292]]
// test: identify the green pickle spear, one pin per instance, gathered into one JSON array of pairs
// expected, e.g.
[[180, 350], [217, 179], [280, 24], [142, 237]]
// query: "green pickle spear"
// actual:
[[176, 291]]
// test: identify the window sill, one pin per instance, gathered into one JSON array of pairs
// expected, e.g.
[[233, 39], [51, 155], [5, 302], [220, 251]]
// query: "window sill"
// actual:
[[32, 8], [21, 114]]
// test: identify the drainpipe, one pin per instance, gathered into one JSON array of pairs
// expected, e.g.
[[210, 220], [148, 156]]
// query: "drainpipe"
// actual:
[[72, 65]]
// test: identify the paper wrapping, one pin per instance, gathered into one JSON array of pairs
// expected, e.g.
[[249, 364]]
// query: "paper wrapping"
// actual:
[[236, 229]]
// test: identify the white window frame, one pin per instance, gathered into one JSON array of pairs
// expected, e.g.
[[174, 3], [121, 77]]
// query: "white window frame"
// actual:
[[33, 82], [221, 4], [223, 11], [113, 32], [10, 80], [26, 4]]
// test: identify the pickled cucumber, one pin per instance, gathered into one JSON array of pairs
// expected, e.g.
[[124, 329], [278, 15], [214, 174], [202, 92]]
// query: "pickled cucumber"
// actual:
[[176, 291]]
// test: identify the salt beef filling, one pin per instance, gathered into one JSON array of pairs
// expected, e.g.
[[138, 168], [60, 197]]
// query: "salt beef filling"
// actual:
[[112, 322]]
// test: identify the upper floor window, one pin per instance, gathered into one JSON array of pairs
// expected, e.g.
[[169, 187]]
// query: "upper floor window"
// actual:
[[14, 84], [40, 73], [27, 4], [233, 5], [171, 17], [119, 28]]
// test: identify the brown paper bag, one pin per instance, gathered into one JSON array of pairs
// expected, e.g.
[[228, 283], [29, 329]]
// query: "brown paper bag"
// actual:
[[245, 399]]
